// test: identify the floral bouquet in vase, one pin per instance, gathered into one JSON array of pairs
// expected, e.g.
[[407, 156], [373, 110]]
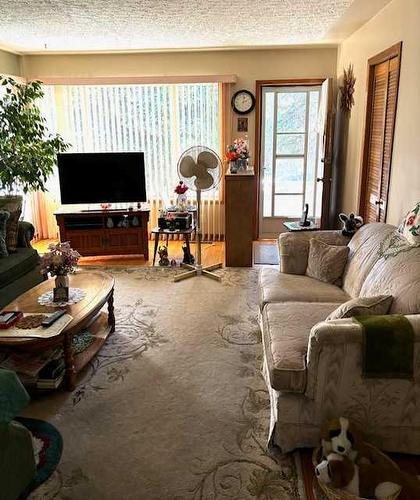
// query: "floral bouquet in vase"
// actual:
[[59, 261], [237, 154]]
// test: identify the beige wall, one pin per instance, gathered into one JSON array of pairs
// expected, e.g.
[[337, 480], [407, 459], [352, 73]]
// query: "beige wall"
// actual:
[[399, 20], [9, 64], [248, 65]]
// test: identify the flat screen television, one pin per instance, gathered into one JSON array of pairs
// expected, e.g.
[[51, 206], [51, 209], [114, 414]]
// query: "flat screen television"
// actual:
[[101, 177]]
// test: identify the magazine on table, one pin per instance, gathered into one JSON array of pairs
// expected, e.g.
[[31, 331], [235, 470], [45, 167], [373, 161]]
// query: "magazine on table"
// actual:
[[23, 329]]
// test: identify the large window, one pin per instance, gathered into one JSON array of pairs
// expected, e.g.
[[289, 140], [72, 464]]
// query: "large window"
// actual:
[[160, 120]]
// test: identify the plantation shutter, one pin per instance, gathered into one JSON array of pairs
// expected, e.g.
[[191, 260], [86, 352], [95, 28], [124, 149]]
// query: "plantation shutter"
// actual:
[[382, 105]]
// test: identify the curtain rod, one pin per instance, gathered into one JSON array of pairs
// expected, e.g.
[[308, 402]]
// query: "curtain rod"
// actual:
[[127, 80]]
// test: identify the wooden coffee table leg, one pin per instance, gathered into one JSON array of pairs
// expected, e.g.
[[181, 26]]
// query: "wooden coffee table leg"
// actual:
[[69, 362], [111, 317]]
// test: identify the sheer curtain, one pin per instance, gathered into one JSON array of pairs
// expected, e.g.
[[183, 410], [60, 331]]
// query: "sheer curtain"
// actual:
[[161, 120]]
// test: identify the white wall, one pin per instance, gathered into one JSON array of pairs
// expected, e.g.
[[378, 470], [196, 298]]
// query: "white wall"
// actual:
[[398, 21], [10, 64]]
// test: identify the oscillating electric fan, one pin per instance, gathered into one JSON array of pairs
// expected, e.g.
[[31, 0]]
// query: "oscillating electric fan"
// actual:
[[200, 169]]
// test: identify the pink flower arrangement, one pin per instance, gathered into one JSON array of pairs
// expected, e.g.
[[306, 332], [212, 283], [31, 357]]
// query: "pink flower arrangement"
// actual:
[[60, 260], [239, 149]]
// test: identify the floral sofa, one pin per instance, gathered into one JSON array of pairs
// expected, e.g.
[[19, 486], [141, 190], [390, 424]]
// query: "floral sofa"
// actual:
[[313, 367]]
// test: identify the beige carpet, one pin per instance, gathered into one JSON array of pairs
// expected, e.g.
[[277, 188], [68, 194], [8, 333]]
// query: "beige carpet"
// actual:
[[174, 406]]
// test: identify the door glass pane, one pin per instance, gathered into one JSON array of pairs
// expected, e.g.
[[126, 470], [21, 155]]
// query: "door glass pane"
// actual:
[[288, 205], [289, 175], [291, 111], [290, 144], [267, 159], [311, 162]]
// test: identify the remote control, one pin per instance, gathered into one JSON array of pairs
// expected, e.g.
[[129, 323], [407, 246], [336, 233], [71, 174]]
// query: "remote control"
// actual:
[[53, 318]]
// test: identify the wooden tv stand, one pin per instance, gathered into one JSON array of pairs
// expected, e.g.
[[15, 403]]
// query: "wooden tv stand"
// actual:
[[89, 233]]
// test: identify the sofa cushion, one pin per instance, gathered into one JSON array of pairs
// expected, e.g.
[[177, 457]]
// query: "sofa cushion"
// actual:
[[363, 255], [362, 306], [326, 262], [281, 287], [13, 205], [286, 329], [17, 264], [396, 273], [410, 226]]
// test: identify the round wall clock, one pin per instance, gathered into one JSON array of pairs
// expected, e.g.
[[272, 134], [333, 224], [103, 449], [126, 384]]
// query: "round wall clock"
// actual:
[[243, 102]]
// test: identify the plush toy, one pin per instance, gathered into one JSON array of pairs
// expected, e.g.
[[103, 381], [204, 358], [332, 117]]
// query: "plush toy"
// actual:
[[372, 481], [351, 223], [188, 257], [342, 436], [163, 255]]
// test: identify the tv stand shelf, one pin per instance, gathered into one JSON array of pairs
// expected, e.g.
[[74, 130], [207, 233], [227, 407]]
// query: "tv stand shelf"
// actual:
[[105, 232]]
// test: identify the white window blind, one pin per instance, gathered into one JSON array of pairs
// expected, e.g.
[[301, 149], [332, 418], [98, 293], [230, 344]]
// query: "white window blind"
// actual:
[[160, 120]]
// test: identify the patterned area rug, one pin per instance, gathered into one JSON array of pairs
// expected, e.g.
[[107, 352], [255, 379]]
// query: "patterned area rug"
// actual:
[[174, 406]]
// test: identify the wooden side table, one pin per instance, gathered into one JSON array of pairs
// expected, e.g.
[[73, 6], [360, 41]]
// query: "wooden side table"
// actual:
[[157, 232], [240, 208]]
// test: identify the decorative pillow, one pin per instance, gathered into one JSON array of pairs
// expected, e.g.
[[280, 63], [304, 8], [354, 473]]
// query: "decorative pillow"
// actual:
[[363, 306], [326, 262], [3, 219], [13, 205], [410, 226]]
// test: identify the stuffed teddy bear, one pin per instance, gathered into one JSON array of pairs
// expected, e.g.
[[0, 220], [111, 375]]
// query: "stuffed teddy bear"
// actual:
[[351, 223], [372, 481], [343, 437]]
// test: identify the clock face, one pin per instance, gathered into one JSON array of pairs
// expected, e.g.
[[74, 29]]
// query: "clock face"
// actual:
[[243, 102]]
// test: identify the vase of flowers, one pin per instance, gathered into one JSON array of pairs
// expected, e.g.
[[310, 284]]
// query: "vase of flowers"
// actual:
[[181, 199], [59, 261], [237, 154]]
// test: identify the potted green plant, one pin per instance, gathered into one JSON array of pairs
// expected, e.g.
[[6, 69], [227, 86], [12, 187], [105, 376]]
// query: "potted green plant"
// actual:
[[27, 150]]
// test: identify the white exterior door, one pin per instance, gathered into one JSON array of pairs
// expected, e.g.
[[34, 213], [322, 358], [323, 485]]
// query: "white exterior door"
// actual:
[[291, 148]]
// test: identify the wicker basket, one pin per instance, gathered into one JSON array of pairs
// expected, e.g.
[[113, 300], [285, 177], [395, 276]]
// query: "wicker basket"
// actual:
[[334, 493]]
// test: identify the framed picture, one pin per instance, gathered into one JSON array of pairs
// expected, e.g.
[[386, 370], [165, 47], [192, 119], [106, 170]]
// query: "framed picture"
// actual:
[[242, 124]]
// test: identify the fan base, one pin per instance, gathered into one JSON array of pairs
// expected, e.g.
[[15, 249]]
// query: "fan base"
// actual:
[[198, 270]]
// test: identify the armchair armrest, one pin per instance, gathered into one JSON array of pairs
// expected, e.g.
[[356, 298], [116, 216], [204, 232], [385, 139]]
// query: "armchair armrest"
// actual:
[[294, 248], [26, 232], [339, 343]]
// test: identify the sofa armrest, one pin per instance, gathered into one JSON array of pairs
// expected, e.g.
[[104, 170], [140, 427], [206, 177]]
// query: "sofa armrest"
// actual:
[[26, 232], [338, 343], [294, 248]]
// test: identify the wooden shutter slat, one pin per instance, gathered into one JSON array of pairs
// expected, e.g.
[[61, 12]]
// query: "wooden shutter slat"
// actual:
[[380, 121]]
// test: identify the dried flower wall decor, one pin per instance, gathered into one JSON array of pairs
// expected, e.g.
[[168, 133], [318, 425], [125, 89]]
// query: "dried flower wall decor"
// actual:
[[347, 89]]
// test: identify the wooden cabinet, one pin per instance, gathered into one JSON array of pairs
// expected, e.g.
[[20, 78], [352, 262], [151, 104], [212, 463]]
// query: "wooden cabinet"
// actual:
[[97, 232], [240, 210]]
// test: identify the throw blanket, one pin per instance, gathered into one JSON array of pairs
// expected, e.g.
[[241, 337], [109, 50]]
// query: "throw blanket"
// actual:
[[388, 346]]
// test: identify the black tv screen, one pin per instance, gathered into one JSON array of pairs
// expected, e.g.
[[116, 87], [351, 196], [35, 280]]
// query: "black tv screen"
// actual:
[[101, 177]]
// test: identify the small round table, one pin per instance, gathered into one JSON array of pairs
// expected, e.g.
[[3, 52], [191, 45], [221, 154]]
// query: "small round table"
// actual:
[[167, 232]]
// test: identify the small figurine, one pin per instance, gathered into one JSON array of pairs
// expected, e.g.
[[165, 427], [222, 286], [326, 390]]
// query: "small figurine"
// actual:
[[163, 255], [188, 257], [173, 263]]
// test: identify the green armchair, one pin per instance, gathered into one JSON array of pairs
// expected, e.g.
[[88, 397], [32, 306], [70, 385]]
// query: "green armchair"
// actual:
[[17, 460], [20, 270]]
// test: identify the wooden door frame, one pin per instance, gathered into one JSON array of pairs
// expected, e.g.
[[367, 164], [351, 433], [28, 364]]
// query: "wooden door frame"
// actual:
[[259, 85], [393, 51]]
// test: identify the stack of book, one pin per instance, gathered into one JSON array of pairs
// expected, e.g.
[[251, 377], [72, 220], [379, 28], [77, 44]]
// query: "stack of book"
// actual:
[[41, 371]]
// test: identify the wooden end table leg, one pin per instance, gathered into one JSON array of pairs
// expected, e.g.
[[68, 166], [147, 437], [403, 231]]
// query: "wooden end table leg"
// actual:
[[111, 317], [69, 362]]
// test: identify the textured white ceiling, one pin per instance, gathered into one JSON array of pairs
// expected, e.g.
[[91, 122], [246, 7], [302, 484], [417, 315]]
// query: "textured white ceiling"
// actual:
[[90, 25]]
